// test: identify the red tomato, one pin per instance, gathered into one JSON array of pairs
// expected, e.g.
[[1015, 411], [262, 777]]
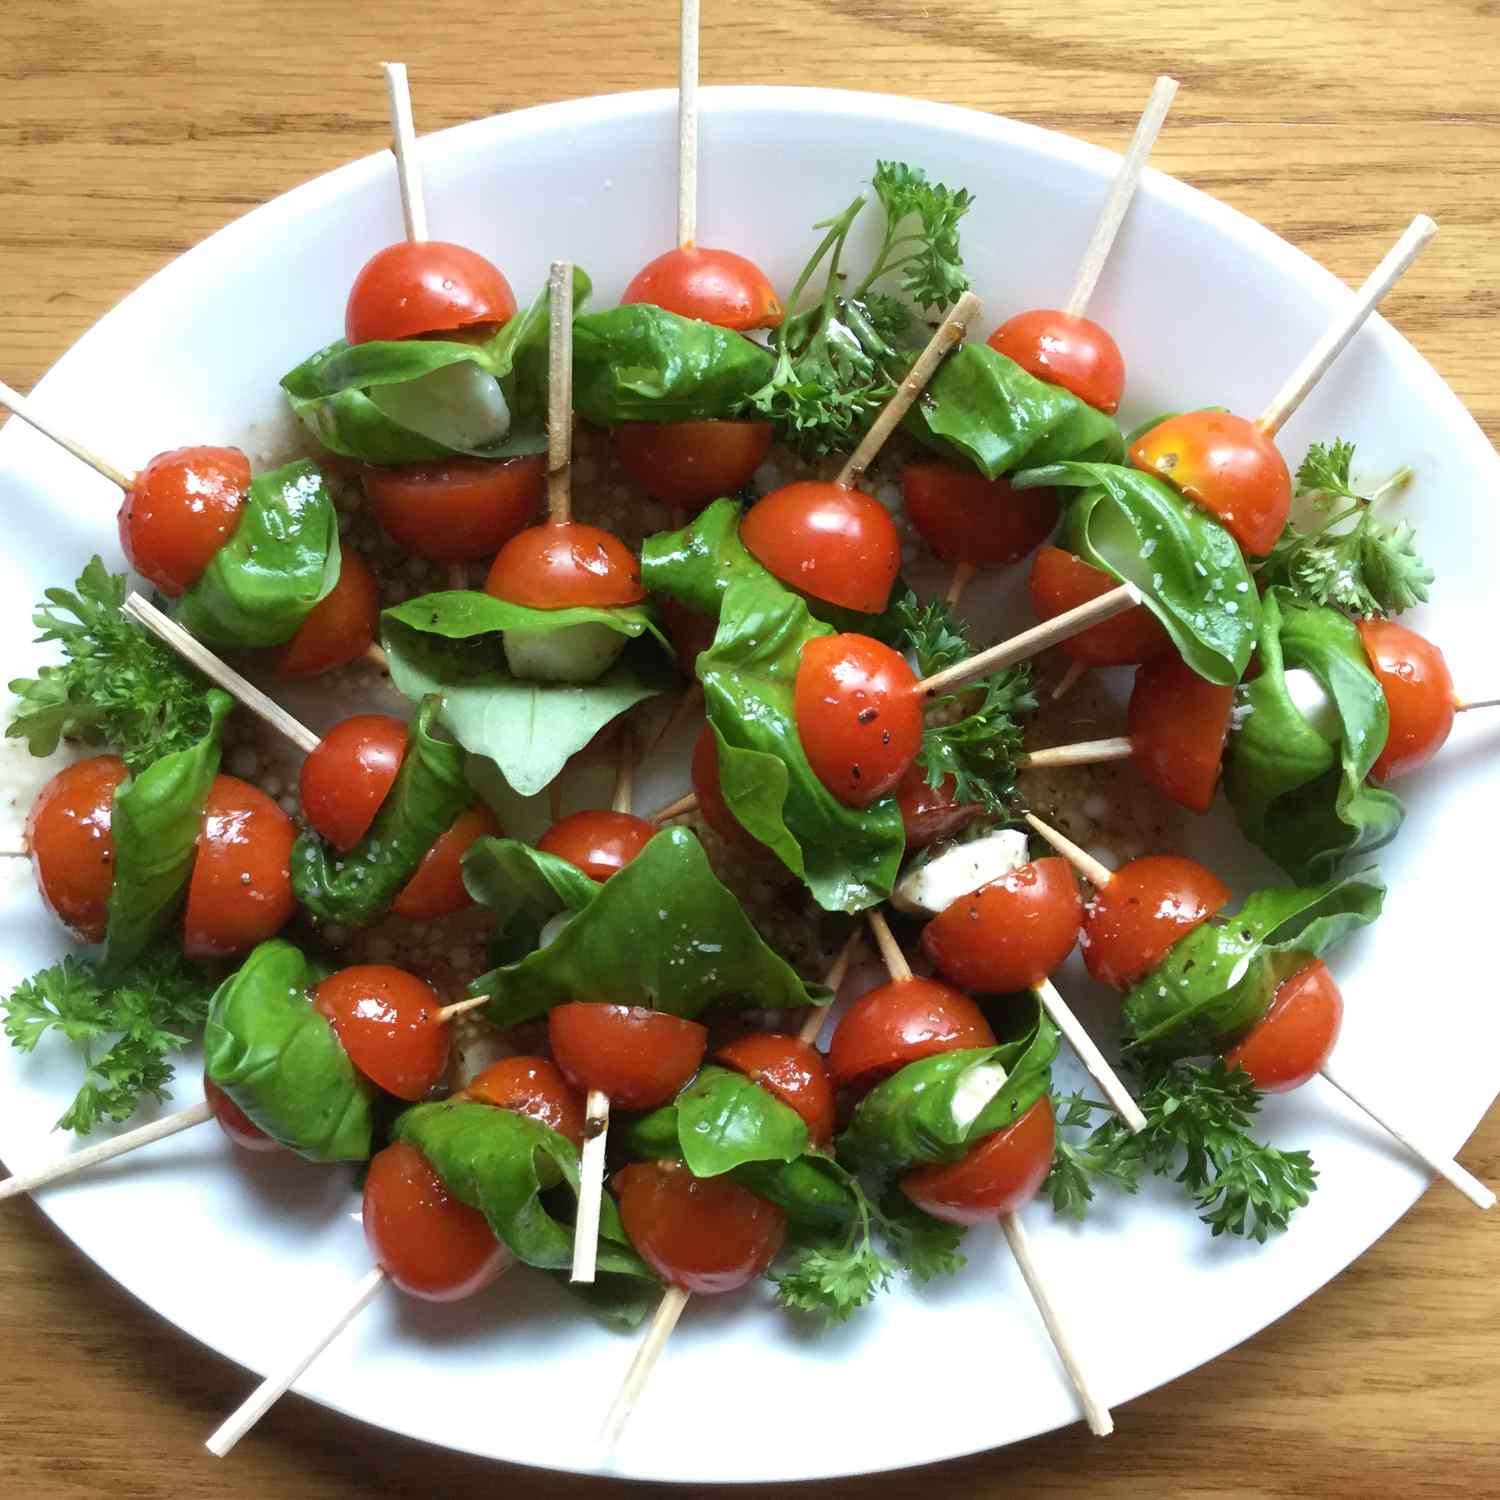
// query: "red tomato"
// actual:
[[340, 627], [792, 1070], [1292, 1041], [456, 510], [900, 1023], [346, 776], [557, 566], [1010, 934], [1178, 723], [639, 1057], [858, 715], [1418, 692], [966, 518], [234, 1122], [1228, 466], [437, 888], [687, 464], [1067, 350], [1060, 582], [997, 1174], [183, 506], [72, 849], [690, 632], [387, 1021], [711, 803], [598, 841], [1148, 905], [717, 286], [532, 1086], [703, 1234], [241, 889], [828, 541], [424, 286], [421, 1236], [929, 813]]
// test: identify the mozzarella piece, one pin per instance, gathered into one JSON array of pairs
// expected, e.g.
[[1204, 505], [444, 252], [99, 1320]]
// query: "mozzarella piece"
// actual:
[[976, 1089], [1313, 702], [459, 406], [935, 884], [574, 653]]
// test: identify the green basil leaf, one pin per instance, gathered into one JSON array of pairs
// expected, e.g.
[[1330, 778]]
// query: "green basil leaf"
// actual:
[[524, 887], [725, 1119], [697, 564], [467, 614]]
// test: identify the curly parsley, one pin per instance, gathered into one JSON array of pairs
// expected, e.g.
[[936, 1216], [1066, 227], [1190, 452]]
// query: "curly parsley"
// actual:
[[834, 1277]]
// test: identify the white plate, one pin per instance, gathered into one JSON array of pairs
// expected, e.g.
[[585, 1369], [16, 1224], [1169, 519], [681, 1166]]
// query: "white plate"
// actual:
[[247, 1254]]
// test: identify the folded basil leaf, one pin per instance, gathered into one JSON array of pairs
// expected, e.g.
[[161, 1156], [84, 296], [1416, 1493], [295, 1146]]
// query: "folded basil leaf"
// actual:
[[155, 821], [1302, 799], [1218, 981], [524, 887], [725, 1119], [277, 1057], [697, 564], [282, 558], [468, 614]]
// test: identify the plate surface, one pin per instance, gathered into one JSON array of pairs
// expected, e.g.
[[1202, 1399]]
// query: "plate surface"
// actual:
[[1210, 309]]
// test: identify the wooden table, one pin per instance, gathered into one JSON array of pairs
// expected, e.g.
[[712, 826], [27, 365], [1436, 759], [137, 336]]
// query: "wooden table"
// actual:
[[131, 130]]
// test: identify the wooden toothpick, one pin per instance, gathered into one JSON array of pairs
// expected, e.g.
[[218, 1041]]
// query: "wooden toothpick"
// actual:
[[1098, 875], [1084, 753], [833, 979], [687, 126], [890, 950], [686, 803], [25, 408], [590, 1185], [404, 144], [559, 392]]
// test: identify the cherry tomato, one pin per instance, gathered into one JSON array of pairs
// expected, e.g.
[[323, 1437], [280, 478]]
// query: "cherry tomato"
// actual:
[[966, 518], [437, 888], [703, 1234], [716, 286], [425, 286], [241, 888], [532, 1086], [792, 1070], [183, 506], [705, 778], [1292, 1041], [1228, 466], [639, 1057], [598, 841], [997, 1174], [1067, 350], [421, 1236], [828, 541], [687, 464], [557, 566], [900, 1023], [339, 628], [1059, 581], [858, 715], [1418, 692], [690, 632], [1178, 723], [347, 774], [1010, 934], [387, 1021], [234, 1122], [928, 813], [1148, 905], [72, 848], [456, 510]]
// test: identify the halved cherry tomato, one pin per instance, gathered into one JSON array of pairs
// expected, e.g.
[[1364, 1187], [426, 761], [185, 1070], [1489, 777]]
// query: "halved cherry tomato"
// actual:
[[1067, 350], [1148, 905], [425, 286], [639, 1057], [387, 1021], [1418, 690], [704, 773], [559, 565], [72, 848], [1295, 1037], [532, 1086], [828, 541], [859, 716], [184, 505], [791, 1069], [929, 813], [437, 888], [1177, 723], [1059, 581], [690, 632], [339, 628], [687, 464], [600, 842], [241, 888], [997, 1174], [1010, 934], [703, 1234], [234, 1122], [1228, 466], [900, 1023], [717, 286], [966, 518], [456, 510], [347, 774], [421, 1236]]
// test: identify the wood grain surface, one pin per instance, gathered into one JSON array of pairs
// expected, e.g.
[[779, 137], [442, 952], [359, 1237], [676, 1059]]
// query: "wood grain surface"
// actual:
[[130, 130]]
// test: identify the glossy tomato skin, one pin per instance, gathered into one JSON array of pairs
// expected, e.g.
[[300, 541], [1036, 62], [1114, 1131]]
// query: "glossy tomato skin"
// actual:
[[900, 1023], [559, 565], [1148, 905], [1296, 1036], [532, 1086], [387, 1021], [930, 813], [72, 847], [240, 892], [1418, 687], [421, 1236], [425, 286], [1065, 349], [340, 627], [437, 887], [184, 505], [1177, 724], [704, 772], [706, 1235], [1059, 581], [1010, 934], [456, 510], [859, 716], [966, 518], [640, 1058], [997, 1175], [716, 286], [1228, 466], [791, 1069], [234, 1122], [600, 842], [346, 776], [828, 541], [687, 464]]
